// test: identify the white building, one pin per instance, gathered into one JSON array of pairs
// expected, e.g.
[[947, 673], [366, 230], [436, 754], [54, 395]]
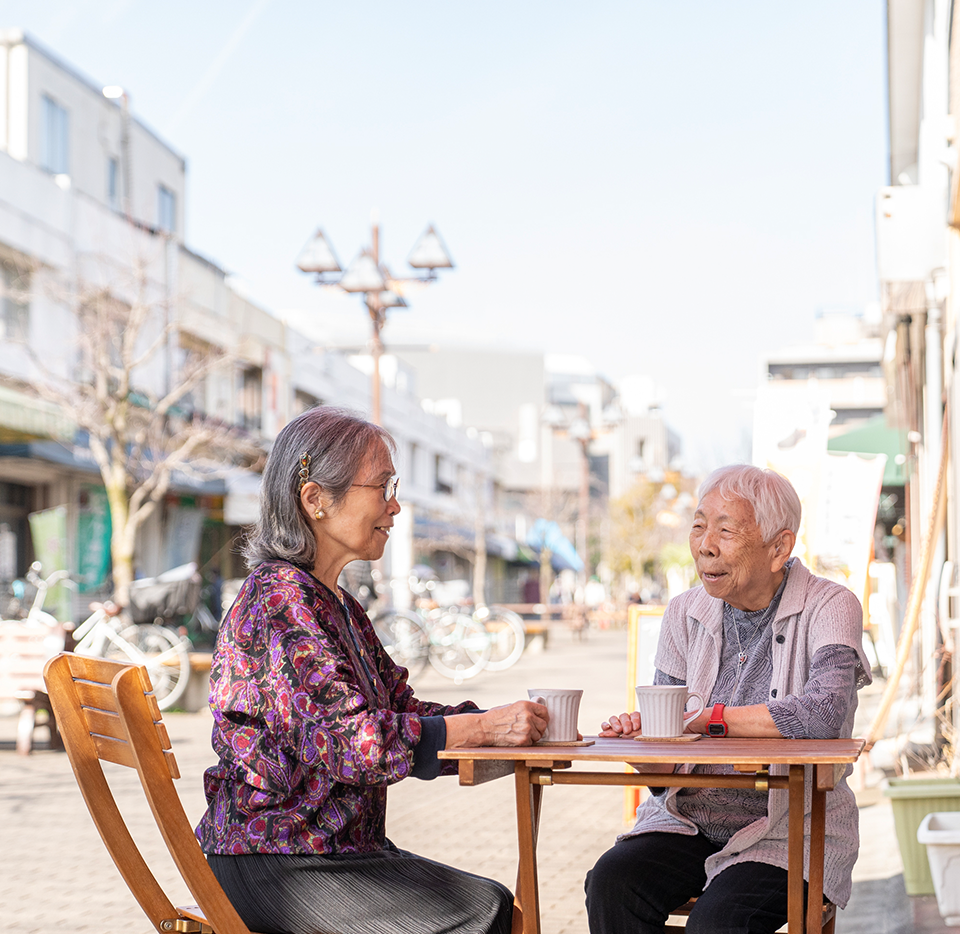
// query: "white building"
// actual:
[[88, 192]]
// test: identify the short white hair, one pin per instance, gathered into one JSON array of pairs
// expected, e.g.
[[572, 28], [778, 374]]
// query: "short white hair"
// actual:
[[772, 497]]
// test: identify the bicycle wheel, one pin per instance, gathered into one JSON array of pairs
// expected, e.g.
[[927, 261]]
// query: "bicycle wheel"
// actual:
[[459, 645], [507, 636], [405, 639], [164, 654]]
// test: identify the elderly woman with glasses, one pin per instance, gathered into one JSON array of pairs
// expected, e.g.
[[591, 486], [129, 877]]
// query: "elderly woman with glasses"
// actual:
[[778, 652], [312, 720]]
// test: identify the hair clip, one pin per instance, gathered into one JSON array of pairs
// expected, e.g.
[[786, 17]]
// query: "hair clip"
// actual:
[[304, 470]]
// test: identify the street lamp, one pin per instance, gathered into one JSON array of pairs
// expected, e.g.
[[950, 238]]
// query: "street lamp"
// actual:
[[368, 276]]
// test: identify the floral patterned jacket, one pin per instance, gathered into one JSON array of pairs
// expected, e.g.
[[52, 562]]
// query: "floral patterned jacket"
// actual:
[[312, 721]]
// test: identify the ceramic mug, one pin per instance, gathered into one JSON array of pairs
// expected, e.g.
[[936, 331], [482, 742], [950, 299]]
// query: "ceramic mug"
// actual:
[[563, 706], [663, 708]]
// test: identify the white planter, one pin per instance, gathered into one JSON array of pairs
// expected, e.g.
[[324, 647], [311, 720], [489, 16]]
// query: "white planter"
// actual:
[[940, 832]]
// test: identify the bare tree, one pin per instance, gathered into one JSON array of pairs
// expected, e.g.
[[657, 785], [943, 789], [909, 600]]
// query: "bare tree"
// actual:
[[647, 533], [127, 383]]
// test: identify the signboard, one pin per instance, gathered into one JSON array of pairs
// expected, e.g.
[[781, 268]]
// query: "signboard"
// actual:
[[643, 634], [93, 538], [48, 529]]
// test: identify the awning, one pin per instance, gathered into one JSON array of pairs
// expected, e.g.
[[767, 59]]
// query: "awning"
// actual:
[[547, 534], [876, 437], [24, 418], [438, 531], [78, 457]]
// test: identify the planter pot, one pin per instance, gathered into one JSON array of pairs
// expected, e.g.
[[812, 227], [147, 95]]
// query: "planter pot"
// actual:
[[913, 799], [940, 833]]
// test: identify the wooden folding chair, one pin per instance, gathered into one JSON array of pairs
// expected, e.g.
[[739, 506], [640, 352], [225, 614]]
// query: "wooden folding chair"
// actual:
[[106, 711], [827, 922]]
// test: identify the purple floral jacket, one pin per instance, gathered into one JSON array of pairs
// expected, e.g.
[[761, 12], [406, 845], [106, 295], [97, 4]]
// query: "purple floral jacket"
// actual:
[[312, 721]]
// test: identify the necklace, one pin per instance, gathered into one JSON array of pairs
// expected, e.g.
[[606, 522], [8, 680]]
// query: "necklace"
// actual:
[[742, 656]]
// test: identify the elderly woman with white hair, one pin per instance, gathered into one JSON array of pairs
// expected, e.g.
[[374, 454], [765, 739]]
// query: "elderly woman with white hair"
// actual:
[[778, 652], [313, 721]]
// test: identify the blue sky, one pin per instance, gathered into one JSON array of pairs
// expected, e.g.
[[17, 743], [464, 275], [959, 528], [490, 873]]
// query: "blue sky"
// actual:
[[668, 188]]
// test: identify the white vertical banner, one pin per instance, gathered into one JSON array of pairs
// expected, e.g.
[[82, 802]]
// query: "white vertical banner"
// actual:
[[846, 516], [400, 558]]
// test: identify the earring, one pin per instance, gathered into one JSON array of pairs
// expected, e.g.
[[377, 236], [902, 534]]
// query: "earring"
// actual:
[[319, 513]]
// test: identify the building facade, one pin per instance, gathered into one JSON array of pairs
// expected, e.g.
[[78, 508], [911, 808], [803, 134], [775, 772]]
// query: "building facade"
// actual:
[[88, 194]]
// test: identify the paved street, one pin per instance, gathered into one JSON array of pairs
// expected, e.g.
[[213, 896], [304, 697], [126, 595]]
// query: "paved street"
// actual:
[[56, 875]]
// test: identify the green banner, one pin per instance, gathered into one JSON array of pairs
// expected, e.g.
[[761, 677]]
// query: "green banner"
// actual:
[[49, 532], [93, 538]]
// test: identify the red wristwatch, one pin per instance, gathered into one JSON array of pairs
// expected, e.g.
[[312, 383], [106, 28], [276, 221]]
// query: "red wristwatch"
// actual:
[[717, 726]]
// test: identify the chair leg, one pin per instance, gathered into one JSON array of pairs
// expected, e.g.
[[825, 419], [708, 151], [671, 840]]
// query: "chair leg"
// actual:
[[25, 725]]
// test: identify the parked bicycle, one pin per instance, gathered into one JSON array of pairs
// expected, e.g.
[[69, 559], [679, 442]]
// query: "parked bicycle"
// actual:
[[105, 634], [452, 641], [162, 651], [457, 641]]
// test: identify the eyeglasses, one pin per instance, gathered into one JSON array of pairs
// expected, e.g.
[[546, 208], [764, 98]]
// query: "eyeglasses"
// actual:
[[389, 488]]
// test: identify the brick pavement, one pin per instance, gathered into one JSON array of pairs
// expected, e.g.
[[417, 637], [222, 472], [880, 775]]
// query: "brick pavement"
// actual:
[[55, 873]]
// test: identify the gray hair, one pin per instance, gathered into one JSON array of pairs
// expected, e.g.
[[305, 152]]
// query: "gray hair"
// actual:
[[772, 497], [337, 441]]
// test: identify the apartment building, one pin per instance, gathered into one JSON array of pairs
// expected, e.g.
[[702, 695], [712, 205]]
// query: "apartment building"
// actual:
[[90, 194]]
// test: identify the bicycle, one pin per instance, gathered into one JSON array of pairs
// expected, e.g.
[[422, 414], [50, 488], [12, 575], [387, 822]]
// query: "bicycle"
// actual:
[[163, 652], [455, 644], [508, 636]]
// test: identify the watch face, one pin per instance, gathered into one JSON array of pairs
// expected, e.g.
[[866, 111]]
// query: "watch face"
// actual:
[[717, 729]]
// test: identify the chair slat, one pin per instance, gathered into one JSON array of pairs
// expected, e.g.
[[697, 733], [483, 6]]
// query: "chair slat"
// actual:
[[98, 696], [104, 722], [91, 668], [114, 750]]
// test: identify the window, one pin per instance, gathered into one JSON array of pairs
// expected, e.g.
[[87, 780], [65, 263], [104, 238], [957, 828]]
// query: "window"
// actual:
[[166, 209], [443, 475], [113, 182], [194, 356], [54, 137], [251, 399], [14, 304], [411, 468]]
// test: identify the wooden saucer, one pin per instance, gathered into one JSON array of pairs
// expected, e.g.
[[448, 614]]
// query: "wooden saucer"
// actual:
[[682, 738]]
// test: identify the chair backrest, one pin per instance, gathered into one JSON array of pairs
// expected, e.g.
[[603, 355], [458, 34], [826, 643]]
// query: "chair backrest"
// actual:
[[107, 711]]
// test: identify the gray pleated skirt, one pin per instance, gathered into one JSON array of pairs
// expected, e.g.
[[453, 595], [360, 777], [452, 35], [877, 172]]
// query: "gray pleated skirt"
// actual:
[[388, 892]]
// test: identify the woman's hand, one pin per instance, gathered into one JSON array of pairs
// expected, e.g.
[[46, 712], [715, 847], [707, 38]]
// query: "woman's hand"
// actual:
[[627, 724], [519, 724]]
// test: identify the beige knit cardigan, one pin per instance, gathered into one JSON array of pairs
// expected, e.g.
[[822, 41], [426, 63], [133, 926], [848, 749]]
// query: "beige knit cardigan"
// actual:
[[813, 612]]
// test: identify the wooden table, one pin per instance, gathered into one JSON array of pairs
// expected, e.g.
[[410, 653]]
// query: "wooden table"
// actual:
[[534, 767]]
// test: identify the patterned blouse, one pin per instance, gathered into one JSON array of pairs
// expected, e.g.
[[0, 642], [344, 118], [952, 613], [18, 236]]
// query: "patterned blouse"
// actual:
[[312, 721]]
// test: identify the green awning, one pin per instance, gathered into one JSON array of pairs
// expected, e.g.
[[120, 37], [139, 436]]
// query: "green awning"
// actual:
[[877, 437], [25, 418]]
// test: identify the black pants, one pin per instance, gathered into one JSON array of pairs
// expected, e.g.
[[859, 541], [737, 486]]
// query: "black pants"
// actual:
[[636, 884], [389, 892]]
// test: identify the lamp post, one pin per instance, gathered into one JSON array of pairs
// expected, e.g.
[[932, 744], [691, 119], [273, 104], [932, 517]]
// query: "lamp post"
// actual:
[[579, 429], [368, 276]]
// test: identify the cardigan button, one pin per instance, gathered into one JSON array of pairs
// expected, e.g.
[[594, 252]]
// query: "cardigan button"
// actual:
[[781, 639], [773, 693]]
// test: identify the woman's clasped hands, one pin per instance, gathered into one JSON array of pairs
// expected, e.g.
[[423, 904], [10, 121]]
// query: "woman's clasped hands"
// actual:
[[627, 724]]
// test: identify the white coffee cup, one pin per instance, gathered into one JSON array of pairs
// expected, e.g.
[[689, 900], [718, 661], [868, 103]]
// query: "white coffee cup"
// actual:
[[662, 708], [563, 706]]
